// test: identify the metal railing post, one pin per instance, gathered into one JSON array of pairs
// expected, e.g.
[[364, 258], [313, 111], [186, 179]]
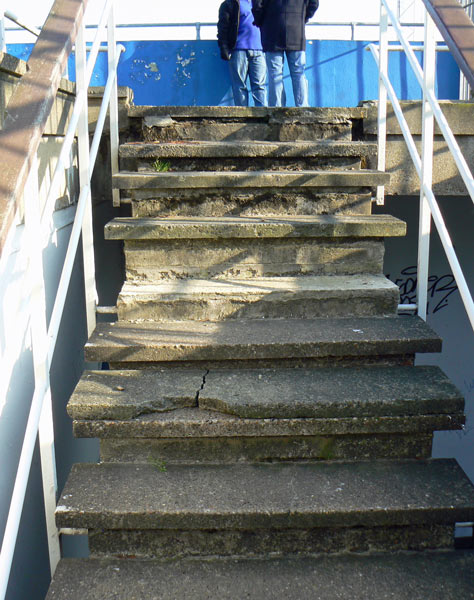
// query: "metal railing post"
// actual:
[[113, 106], [382, 105], [427, 144], [82, 81]]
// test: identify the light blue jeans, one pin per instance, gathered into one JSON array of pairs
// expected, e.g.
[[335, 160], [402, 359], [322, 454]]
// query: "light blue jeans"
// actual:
[[296, 64], [251, 64]]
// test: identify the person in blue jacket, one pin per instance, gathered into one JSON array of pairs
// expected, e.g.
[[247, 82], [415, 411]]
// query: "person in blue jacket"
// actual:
[[282, 25], [240, 44]]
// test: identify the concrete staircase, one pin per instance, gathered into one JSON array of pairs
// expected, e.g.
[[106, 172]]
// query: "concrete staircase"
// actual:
[[264, 432]]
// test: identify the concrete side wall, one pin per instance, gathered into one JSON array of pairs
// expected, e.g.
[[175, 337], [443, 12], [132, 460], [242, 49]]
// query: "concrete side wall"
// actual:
[[446, 179], [30, 572]]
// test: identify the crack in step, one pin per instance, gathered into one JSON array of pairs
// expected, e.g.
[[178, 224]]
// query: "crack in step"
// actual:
[[202, 386]]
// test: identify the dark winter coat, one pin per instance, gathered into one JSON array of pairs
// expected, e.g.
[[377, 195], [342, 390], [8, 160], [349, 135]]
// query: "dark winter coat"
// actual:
[[282, 22], [228, 25]]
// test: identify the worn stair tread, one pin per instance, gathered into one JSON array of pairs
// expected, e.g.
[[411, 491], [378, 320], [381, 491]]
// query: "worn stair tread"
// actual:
[[314, 226], [324, 393], [260, 339], [276, 496], [249, 179], [324, 114], [228, 149], [259, 286], [445, 575]]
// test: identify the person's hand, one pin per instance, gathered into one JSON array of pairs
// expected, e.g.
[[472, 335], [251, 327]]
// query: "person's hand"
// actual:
[[225, 53]]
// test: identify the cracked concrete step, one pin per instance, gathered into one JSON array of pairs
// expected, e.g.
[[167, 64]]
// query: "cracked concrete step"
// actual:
[[329, 180], [239, 123], [247, 156], [248, 247], [262, 342], [276, 297], [157, 510], [442, 575], [257, 415]]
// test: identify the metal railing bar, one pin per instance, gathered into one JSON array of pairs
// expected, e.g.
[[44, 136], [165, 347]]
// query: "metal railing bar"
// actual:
[[436, 213], [63, 286], [113, 105], [34, 30], [19, 489], [111, 79], [81, 98], [56, 315], [439, 116], [98, 39]]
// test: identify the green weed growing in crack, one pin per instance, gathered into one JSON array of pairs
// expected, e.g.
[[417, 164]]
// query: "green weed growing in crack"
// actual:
[[327, 448], [161, 166], [157, 463]]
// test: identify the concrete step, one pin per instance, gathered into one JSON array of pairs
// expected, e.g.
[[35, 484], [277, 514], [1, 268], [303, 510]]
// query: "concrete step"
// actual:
[[240, 415], [170, 123], [277, 297], [246, 202], [248, 247], [445, 575], [247, 156], [172, 511], [354, 180], [262, 342]]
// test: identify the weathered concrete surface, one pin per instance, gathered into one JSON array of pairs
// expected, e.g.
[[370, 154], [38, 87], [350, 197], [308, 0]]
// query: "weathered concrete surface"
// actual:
[[237, 449], [268, 298], [125, 100], [127, 394], [330, 393], [239, 123], [446, 178], [259, 339], [407, 576], [179, 544], [256, 179], [323, 115], [158, 260], [269, 496], [129, 228], [244, 202], [242, 163], [198, 423], [248, 149]]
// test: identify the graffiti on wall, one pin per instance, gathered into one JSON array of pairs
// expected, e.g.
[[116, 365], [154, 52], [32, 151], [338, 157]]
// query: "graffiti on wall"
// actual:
[[440, 288]]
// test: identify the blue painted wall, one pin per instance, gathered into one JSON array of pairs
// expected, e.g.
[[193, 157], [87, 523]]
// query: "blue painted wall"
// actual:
[[340, 73]]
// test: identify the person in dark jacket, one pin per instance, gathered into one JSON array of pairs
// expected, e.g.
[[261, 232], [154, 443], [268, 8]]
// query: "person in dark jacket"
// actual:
[[239, 42], [282, 25]]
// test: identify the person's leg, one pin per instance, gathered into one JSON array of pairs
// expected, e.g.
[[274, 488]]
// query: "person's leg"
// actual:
[[258, 76], [238, 68], [297, 64], [276, 89]]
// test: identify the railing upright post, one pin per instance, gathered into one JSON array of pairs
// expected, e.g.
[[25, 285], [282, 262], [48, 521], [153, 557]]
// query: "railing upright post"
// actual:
[[113, 107], [84, 178], [382, 105], [427, 144], [41, 365]]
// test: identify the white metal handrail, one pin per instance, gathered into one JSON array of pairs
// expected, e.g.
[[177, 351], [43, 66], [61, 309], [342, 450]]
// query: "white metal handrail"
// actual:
[[44, 340], [431, 110]]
